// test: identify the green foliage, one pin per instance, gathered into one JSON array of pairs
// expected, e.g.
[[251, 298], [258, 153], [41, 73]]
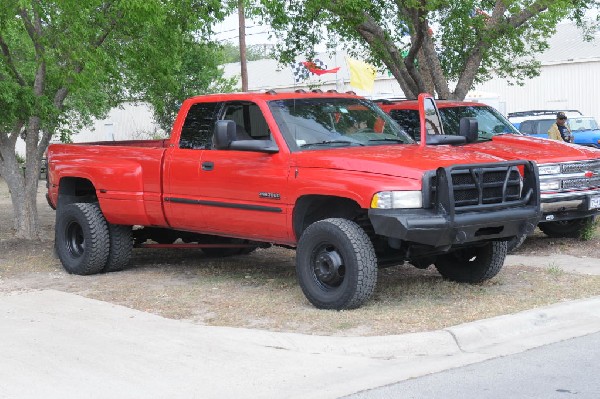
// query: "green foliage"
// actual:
[[20, 158], [101, 53], [196, 71], [470, 40], [589, 231]]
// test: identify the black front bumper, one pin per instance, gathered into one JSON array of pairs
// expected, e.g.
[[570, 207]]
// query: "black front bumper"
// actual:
[[425, 226], [467, 203]]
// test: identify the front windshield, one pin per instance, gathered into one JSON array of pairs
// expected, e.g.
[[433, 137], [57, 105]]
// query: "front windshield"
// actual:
[[583, 124], [317, 123], [490, 121]]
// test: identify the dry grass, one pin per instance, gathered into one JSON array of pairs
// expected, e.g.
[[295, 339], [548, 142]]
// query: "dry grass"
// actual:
[[260, 290]]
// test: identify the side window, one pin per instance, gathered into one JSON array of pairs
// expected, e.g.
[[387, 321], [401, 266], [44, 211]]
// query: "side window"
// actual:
[[409, 121], [525, 127], [544, 125], [199, 125], [251, 124]]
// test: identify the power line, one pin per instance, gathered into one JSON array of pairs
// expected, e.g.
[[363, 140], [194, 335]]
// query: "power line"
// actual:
[[234, 29], [247, 34]]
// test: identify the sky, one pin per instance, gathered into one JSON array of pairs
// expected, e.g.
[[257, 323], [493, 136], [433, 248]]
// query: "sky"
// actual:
[[228, 31]]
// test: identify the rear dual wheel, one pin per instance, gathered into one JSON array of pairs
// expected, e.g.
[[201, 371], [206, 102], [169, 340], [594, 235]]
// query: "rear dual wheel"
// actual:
[[86, 244]]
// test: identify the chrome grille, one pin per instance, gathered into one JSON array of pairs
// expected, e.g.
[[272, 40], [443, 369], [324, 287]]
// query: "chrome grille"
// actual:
[[578, 167], [578, 183]]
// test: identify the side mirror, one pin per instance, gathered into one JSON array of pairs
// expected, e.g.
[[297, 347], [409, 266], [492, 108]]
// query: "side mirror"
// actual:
[[224, 134], [469, 129]]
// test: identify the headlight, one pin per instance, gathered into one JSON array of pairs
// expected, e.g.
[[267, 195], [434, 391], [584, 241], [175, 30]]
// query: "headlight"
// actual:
[[549, 169], [549, 185], [397, 200]]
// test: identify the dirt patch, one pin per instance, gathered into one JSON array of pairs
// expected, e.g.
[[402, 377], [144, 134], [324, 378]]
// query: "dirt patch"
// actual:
[[260, 290]]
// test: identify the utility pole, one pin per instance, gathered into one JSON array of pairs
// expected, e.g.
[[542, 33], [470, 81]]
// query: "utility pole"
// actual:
[[242, 23]]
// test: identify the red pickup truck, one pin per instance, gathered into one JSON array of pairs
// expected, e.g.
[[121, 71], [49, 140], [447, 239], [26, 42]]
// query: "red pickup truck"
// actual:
[[329, 174], [569, 174]]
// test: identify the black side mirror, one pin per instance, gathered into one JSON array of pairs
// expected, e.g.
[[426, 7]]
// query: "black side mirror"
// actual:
[[224, 134], [469, 129]]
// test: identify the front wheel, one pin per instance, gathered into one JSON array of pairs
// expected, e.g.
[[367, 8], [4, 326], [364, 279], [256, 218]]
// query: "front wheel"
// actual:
[[336, 264], [566, 228], [82, 238], [472, 265]]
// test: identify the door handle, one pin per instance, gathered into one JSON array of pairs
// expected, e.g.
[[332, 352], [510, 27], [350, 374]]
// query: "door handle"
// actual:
[[208, 165]]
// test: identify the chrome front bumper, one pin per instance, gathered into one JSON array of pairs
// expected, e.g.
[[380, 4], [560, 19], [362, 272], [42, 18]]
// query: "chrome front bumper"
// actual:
[[559, 202]]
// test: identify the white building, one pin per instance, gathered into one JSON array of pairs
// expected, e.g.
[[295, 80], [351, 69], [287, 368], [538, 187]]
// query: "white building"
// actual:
[[130, 121], [569, 77]]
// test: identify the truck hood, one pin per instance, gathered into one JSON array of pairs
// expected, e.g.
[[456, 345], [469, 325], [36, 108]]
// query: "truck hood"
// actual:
[[401, 160], [512, 146]]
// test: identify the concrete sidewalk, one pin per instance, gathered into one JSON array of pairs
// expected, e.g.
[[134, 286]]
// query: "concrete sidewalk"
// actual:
[[59, 345]]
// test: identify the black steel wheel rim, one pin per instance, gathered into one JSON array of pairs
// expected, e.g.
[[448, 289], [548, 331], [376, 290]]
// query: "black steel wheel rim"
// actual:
[[74, 239], [328, 266]]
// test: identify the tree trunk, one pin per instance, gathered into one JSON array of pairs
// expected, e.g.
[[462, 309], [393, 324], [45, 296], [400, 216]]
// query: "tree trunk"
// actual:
[[23, 182], [23, 193]]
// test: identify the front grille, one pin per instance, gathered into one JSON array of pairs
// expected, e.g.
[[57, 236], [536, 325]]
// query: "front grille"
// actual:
[[477, 185], [578, 183], [577, 167]]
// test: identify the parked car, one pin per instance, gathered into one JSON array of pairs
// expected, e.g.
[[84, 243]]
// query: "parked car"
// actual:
[[585, 129], [243, 170], [569, 175]]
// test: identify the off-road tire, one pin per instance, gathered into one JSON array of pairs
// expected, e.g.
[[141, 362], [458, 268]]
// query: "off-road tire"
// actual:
[[82, 240], [514, 243], [472, 265], [121, 247], [566, 228], [336, 264]]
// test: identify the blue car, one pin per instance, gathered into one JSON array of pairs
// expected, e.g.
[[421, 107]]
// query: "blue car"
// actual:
[[537, 123]]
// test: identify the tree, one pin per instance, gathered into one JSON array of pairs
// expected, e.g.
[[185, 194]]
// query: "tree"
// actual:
[[432, 46], [254, 52], [196, 72], [63, 62]]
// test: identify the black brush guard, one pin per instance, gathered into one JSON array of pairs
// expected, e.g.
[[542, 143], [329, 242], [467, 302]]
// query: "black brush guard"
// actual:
[[467, 203]]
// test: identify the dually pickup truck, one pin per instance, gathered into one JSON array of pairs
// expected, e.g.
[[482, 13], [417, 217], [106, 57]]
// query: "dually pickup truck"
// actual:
[[569, 174], [328, 174]]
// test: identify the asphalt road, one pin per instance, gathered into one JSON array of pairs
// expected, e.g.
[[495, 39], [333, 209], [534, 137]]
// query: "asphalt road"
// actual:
[[568, 369]]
